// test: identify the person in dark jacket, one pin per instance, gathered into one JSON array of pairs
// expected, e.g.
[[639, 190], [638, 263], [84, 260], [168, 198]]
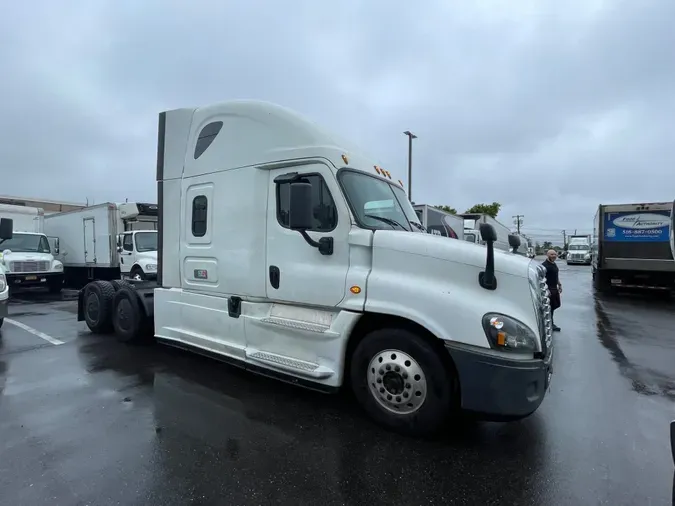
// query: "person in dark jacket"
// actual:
[[553, 282]]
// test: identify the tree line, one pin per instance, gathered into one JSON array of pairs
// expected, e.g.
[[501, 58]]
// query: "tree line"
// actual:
[[489, 209]]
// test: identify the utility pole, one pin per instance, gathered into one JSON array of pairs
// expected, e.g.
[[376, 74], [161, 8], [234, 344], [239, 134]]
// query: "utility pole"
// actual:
[[518, 221], [564, 233], [411, 136]]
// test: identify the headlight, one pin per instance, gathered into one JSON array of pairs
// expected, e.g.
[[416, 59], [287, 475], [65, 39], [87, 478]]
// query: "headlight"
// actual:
[[3, 283], [150, 267], [508, 334], [58, 266]]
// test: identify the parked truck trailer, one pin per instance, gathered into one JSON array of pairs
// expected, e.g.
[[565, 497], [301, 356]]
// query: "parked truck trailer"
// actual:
[[270, 258], [438, 222], [27, 254], [106, 241], [631, 247]]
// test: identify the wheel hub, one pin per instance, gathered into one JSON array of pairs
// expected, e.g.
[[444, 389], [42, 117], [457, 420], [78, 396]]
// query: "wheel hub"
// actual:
[[397, 382], [92, 307]]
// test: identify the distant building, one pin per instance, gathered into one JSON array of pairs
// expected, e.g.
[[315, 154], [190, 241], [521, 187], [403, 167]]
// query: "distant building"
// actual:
[[49, 206]]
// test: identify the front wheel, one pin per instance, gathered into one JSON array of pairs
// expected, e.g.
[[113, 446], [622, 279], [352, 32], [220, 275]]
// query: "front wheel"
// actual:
[[137, 274], [401, 381]]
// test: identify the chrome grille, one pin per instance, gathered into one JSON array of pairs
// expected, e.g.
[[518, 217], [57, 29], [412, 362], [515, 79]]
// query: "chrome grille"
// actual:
[[29, 266], [544, 315]]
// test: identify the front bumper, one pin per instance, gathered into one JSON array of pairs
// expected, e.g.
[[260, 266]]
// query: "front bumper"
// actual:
[[500, 388], [32, 278], [582, 261]]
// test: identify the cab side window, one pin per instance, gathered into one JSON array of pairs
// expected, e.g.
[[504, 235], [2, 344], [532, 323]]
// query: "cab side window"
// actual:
[[127, 242], [325, 211], [199, 214]]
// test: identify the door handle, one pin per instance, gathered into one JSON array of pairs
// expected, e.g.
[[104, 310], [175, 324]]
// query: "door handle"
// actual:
[[275, 276]]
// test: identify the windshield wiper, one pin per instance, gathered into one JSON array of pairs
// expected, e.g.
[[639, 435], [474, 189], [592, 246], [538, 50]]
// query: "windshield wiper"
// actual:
[[388, 221], [418, 226]]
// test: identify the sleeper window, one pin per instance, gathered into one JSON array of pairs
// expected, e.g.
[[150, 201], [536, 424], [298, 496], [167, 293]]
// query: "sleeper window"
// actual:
[[199, 213], [324, 210], [206, 137]]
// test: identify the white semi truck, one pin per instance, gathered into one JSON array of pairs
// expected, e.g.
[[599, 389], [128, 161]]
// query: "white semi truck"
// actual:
[[579, 250], [27, 255], [107, 241], [284, 251]]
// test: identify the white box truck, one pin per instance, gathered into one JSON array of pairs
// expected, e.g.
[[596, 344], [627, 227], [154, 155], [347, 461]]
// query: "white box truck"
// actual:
[[438, 222], [106, 241], [271, 258], [579, 250], [632, 247], [27, 255], [472, 233]]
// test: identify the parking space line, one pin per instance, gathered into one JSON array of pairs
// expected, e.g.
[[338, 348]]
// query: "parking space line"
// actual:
[[35, 332]]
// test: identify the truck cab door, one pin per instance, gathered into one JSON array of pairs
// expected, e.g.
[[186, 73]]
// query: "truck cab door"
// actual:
[[127, 257], [298, 273]]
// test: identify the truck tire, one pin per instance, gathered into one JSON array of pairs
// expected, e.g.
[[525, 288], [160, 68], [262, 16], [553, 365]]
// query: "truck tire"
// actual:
[[128, 317], [388, 362], [137, 273], [98, 298], [2, 320], [601, 283], [119, 283]]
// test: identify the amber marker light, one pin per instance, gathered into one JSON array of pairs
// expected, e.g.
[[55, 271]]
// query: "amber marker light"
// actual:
[[355, 290]]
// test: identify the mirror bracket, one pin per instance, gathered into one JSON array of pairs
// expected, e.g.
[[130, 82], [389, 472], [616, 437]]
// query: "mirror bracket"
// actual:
[[324, 245]]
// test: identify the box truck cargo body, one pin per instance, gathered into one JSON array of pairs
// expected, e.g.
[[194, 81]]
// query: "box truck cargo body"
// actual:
[[631, 246], [106, 241]]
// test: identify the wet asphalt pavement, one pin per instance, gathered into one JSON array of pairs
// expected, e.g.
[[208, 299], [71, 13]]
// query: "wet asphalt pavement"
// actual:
[[91, 421]]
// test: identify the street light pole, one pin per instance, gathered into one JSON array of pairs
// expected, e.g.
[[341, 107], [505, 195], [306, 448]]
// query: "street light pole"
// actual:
[[411, 136]]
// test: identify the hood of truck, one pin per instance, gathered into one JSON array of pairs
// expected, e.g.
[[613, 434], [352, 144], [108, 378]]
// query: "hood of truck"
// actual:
[[451, 250], [147, 256], [25, 256]]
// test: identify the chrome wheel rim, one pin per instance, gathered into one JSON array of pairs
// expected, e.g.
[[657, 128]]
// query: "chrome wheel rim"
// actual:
[[397, 382]]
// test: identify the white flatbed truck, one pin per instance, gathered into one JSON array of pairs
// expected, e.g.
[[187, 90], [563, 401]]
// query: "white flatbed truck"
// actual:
[[285, 251]]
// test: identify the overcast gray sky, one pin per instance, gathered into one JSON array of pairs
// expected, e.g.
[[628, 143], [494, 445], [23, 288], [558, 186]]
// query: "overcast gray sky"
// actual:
[[547, 107]]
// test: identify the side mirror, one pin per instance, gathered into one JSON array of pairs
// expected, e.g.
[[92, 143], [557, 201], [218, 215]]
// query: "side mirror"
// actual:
[[487, 232], [119, 249], [514, 242], [300, 206], [6, 228], [300, 216], [487, 279]]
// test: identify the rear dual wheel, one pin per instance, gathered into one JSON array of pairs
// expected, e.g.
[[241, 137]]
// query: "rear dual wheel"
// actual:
[[402, 382]]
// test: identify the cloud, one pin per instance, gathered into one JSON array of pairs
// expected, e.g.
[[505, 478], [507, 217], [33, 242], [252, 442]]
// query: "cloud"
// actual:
[[548, 108]]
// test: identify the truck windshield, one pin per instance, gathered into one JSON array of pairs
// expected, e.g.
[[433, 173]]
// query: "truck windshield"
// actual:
[[377, 203], [577, 247], [146, 241], [26, 243]]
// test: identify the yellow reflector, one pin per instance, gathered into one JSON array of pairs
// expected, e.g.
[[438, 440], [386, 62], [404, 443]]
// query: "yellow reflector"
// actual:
[[345, 159], [377, 169], [355, 289]]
